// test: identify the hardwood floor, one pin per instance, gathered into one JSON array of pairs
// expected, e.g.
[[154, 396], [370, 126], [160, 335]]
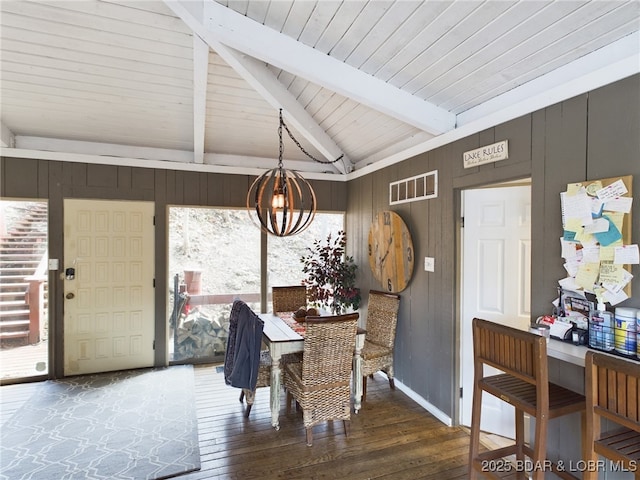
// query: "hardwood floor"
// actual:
[[391, 438]]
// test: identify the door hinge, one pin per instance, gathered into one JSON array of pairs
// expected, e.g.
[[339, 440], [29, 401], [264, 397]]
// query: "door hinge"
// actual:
[[154, 220], [154, 283], [462, 222], [154, 344], [460, 392]]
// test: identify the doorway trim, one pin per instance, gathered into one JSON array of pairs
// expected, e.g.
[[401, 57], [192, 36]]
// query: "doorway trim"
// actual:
[[458, 225]]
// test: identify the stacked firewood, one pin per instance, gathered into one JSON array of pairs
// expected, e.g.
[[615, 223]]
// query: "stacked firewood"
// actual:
[[199, 335]]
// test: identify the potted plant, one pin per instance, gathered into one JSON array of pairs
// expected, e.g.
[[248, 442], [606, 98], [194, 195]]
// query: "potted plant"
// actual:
[[331, 275]]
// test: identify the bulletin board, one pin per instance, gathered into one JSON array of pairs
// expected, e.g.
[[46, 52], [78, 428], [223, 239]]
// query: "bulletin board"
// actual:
[[596, 242]]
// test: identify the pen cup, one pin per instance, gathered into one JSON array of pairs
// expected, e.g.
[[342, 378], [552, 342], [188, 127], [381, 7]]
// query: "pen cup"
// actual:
[[540, 329]]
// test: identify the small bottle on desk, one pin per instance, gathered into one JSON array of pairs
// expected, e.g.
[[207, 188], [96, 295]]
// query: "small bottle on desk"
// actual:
[[601, 323]]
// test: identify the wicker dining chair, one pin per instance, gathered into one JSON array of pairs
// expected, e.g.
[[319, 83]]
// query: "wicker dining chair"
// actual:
[[377, 352], [246, 366], [289, 298], [320, 383]]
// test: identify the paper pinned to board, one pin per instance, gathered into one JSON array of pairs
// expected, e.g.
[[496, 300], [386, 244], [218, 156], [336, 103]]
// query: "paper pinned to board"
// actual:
[[573, 188], [615, 287], [596, 226], [569, 249], [607, 254], [587, 276], [618, 204], [569, 283], [599, 225], [572, 266], [576, 210], [610, 236], [615, 189], [610, 273], [615, 298], [627, 254], [591, 254]]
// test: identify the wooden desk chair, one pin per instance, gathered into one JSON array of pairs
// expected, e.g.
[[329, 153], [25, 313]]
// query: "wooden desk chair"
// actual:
[[320, 383], [288, 299], [522, 356], [246, 366], [377, 352], [613, 393]]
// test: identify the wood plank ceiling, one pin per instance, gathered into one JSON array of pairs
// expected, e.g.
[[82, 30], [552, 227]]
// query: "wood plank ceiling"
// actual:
[[198, 84]]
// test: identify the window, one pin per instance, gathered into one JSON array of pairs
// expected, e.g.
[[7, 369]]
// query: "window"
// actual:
[[420, 187], [283, 257], [214, 257], [24, 286]]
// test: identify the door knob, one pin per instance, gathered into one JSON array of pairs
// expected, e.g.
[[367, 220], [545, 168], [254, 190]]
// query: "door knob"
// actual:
[[69, 295]]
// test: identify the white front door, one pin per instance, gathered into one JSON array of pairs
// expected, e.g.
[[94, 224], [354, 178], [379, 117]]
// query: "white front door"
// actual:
[[108, 286], [496, 282]]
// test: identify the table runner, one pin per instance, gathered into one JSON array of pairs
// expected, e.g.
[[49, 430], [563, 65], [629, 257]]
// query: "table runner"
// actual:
[[289, 319]]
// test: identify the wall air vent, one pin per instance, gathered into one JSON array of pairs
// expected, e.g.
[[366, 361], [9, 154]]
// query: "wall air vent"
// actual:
[[420, 187]]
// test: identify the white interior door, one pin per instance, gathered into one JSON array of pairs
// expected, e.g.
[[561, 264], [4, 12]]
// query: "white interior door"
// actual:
[[496, 276], [109, 298]]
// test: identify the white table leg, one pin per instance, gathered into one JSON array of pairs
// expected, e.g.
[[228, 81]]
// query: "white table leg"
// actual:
[[275, 387], [357, 374]]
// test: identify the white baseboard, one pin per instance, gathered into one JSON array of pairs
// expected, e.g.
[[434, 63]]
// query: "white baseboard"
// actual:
[[433, 410]]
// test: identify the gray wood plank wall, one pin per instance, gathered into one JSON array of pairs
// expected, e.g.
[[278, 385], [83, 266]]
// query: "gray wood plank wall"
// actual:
[[594, 135]]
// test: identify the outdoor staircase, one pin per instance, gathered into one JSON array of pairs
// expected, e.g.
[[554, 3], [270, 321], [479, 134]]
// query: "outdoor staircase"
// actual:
[[23, 255]]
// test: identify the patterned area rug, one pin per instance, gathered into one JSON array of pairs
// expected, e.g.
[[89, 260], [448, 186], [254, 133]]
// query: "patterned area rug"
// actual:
[[137, 424]]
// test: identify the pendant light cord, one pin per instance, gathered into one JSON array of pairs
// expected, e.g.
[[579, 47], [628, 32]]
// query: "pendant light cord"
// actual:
[[282, 124]]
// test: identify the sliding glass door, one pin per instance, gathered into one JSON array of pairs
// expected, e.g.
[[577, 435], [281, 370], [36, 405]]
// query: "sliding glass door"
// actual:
[[24, 351], [214, 258]]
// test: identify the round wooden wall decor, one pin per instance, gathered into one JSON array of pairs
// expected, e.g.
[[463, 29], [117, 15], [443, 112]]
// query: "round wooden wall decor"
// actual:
[[390, 251]]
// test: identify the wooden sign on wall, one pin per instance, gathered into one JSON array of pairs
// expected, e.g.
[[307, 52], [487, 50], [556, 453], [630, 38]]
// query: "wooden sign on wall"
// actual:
[[487, 154]]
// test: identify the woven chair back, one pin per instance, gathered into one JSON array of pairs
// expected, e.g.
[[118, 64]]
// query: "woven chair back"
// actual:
[[289, 299], [382, 318], [328, 350]]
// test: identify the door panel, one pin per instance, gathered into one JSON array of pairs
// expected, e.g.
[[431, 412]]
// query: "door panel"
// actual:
[[489, 266], [109, 296], [496, 272]]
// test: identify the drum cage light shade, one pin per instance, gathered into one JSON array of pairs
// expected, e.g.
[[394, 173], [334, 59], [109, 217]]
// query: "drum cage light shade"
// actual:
[[281, 202]]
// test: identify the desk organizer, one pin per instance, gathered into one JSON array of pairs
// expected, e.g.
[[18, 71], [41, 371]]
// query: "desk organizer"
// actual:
[[618, 335]]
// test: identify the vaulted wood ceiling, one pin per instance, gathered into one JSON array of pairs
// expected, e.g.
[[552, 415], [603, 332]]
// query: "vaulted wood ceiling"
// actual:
[[198, 84]]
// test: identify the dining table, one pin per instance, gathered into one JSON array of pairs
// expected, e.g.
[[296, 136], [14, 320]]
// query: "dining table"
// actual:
[[282, 334]]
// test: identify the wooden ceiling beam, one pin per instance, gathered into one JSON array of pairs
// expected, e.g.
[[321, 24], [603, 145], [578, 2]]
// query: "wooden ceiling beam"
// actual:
[[200, 74], [7, 138], [263, 43], [257, 75]]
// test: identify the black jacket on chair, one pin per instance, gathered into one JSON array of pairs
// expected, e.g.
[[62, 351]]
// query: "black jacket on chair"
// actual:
[[242, 357]]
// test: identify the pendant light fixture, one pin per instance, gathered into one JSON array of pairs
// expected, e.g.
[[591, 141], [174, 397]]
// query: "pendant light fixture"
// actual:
[[280, 201]]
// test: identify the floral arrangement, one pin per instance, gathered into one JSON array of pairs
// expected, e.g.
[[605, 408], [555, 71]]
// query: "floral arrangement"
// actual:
[[331, 275]]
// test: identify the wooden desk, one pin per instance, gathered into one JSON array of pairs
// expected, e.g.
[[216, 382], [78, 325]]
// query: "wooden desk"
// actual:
[[281, 339]]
